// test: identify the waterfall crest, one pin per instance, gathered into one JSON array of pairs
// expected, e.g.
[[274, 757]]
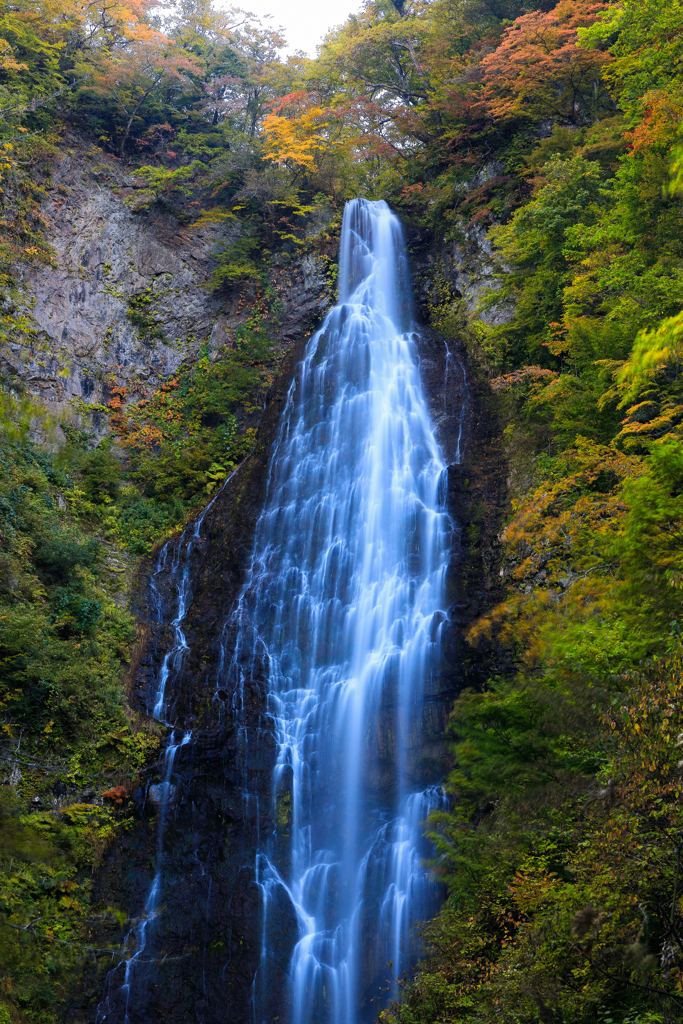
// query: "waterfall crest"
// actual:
[[341, 619]]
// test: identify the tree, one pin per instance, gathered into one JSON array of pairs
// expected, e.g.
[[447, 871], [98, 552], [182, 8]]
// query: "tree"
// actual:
[[149, 65], [539, 70], [297, 130], [646, 46]]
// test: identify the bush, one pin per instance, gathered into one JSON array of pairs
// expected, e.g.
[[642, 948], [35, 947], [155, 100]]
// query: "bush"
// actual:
[[57, 556], [101, 474]]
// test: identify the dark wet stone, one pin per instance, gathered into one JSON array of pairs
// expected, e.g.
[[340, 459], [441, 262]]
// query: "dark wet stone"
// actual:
[[204, 948]]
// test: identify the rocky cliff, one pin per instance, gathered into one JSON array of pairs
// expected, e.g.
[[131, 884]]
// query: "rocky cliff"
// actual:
[[125, 306], [127, 302]]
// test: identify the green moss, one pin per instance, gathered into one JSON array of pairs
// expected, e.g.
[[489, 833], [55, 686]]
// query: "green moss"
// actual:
[[283, 810], [140, 314]]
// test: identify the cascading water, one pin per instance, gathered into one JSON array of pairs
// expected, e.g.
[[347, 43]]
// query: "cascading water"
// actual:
[[344, 606], [135, 942], [119, 997]]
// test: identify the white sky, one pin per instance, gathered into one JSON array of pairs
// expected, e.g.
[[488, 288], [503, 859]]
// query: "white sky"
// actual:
[[305, 22]]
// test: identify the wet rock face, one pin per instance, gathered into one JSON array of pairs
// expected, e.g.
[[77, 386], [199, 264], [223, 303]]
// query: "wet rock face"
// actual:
[[464, 412], [477, 482], [205, 947], [198, 963]]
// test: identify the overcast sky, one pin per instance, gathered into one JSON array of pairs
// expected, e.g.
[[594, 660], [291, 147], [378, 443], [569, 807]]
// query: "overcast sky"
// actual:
[[305, 21]]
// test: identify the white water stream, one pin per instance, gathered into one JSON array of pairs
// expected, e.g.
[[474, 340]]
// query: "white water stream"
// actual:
[[345, 604]]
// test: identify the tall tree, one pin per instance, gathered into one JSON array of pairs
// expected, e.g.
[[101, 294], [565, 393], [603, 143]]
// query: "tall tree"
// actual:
[[539, 70]]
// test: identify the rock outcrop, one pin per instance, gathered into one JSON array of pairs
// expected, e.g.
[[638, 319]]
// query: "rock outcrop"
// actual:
[[127, 300]]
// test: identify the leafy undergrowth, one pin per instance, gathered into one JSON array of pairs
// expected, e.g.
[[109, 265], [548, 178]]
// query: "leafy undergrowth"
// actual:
[[169, 450], [563, 853], [25, 167], [181, 442], [46, 908], [566, 903], [68, 734]]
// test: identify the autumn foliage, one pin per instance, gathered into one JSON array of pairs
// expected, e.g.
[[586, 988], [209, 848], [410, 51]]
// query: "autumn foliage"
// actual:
[[296, 130], [538, 70]]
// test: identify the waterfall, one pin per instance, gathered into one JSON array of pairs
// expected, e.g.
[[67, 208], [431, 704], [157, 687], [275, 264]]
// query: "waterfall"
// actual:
[[292, 802], [135, 942], [340, 618]]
